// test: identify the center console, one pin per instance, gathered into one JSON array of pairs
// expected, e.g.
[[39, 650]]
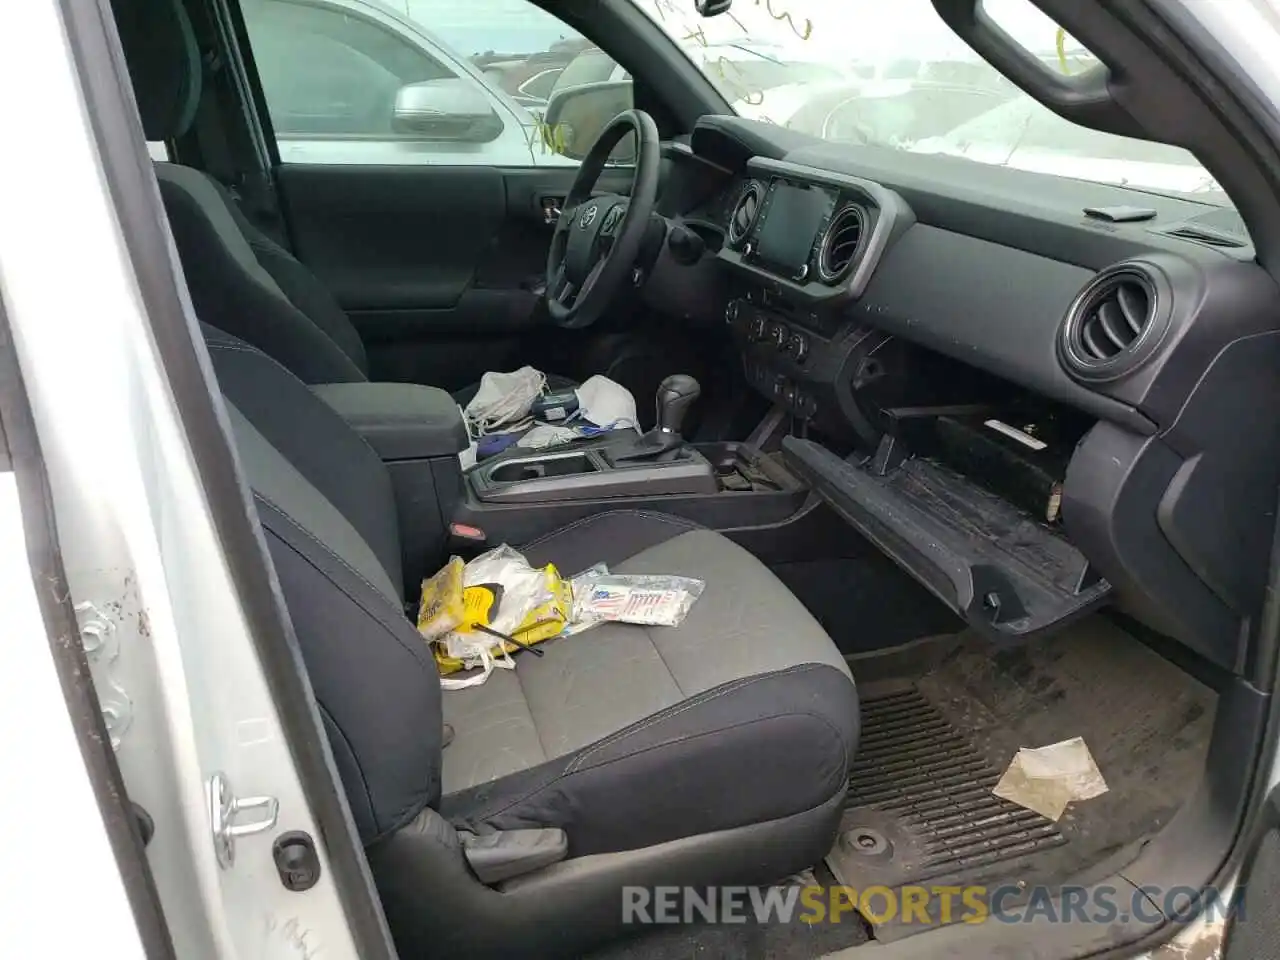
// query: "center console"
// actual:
[[589, 472], [521, 494]]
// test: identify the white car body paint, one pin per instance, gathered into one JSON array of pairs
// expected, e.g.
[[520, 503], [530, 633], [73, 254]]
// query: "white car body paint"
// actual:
[[780, 104], [55, 855], [135, 532], [1173, 177], [138, 546]]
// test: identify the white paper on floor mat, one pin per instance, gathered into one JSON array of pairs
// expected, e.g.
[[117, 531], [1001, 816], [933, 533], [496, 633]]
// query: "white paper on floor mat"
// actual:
[[1046, 779]]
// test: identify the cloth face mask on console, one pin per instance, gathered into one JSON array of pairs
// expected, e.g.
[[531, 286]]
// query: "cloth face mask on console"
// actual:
[[504, 399]]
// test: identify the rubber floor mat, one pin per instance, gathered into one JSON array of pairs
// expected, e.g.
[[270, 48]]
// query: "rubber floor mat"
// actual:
[[920, 808]]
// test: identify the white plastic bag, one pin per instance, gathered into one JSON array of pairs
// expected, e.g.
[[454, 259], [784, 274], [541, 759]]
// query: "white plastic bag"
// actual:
[[578, 586], [478, 652], [524, 588], [652, 600]]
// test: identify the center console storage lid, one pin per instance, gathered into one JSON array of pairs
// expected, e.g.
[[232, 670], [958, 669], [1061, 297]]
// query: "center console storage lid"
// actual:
[[401, 421]]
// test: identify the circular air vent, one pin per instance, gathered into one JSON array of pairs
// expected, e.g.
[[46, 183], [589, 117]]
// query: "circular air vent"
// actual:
[[745, 208], [840, 243], [1114, 323]]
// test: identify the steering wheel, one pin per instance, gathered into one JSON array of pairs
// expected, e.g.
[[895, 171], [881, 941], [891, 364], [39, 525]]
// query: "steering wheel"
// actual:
[[597, 238]]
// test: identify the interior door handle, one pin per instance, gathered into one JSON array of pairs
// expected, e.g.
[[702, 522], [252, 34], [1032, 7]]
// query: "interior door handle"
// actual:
[[551, 209]]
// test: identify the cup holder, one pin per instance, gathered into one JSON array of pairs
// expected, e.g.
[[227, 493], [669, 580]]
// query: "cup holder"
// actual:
[[562, 466]]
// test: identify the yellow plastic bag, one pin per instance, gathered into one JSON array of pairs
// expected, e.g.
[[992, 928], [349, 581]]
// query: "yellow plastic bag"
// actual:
[[541, 623], [442, 608], [500, 591]]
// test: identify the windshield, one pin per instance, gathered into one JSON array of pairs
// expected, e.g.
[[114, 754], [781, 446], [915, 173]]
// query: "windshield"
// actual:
[[757, 69], [893, 75]]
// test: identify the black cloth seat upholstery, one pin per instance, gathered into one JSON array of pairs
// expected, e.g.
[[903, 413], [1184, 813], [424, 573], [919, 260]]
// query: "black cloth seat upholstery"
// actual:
[[241, 281], [713, 752]]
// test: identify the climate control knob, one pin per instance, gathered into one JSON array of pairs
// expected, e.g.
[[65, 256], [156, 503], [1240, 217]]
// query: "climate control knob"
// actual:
[[798, 347], [731, 311], [778, 335]]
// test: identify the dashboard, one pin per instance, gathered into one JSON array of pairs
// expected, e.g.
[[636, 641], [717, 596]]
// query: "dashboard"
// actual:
[[1028, 391]]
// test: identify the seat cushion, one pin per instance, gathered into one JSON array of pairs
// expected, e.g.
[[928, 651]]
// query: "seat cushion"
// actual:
[[748, 681]]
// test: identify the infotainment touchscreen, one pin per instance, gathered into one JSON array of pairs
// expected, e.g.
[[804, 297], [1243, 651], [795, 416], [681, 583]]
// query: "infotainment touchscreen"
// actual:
[[790, 224]]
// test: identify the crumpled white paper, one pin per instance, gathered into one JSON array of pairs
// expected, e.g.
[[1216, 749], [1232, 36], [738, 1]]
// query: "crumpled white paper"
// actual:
[[1046, 779]]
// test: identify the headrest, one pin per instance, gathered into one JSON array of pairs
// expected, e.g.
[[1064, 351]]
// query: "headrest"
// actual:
[[164, 63]]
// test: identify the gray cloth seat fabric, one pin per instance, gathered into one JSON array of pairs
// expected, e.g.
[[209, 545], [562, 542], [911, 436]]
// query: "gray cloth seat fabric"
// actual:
[[748, 679], [558, 704], [241, 281], [627, 738]]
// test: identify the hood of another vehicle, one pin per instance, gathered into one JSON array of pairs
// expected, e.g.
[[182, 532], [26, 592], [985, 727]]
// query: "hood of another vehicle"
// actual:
[[1176, 177], [782, 104]]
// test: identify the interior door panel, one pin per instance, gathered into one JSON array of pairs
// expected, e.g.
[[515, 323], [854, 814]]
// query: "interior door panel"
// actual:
[[438, 266]]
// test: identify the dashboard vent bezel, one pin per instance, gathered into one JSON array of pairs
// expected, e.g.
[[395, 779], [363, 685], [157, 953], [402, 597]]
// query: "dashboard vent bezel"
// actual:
[[837, 226], [1097, 347], [750, 187]]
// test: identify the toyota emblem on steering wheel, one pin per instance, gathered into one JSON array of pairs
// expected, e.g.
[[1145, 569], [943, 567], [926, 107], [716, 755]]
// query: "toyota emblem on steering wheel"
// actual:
[[588, 217]]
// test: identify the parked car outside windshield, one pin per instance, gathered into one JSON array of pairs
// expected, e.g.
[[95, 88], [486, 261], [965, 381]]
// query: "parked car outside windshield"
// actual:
[[926, 84], [1024, 135], [891, 75]]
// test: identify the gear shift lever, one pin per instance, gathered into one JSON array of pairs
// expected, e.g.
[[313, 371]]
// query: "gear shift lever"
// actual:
[[676, 395]]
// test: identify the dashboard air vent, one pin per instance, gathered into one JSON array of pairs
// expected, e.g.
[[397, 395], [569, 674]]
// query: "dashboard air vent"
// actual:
[[1114, 323], [743, 215], [1206, 235], [841, 242]]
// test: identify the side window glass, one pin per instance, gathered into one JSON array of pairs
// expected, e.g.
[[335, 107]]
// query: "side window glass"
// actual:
[[423, 81], [330, 72]]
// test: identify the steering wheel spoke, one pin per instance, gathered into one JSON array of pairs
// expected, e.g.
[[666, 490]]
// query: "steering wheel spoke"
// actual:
[[592, 277], [560, 289], [565, 220]]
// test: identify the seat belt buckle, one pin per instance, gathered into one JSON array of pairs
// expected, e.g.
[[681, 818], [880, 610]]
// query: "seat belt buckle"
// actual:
[[466, 541]]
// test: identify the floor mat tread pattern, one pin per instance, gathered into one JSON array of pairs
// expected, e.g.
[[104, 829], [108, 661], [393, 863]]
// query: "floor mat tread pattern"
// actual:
[[920, 807]]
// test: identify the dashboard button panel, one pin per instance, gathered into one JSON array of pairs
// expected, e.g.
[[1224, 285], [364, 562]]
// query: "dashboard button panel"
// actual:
[[782, 359]]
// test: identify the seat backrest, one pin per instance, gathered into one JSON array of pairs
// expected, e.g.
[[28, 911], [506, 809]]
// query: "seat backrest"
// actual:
[[233, 272], [328, 514], [240, 280]]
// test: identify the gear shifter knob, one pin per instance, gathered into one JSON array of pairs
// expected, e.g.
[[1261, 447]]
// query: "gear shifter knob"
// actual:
[[676, 395]]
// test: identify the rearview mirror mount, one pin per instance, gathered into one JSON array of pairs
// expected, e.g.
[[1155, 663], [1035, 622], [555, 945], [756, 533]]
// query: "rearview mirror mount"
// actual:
[[712, 8]]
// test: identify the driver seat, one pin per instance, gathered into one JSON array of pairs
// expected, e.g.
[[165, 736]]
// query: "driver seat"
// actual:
[[241, 281]]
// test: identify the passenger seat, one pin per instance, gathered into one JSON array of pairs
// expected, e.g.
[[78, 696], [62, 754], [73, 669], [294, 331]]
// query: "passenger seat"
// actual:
[[716, 752]]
